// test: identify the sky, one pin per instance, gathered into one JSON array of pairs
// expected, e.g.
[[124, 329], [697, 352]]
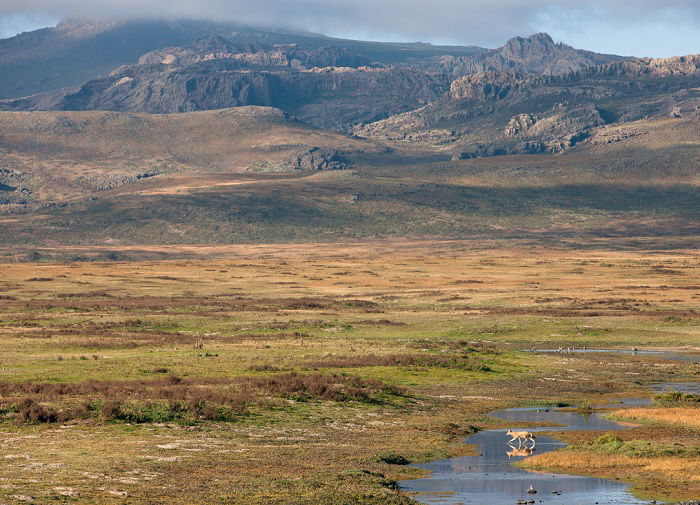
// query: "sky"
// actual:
[[628, 27]]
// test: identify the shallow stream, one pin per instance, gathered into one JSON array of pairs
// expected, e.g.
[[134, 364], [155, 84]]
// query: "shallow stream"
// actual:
[[491, 479]]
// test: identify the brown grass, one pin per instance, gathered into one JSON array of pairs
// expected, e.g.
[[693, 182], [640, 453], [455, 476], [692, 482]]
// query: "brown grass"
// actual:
[[688, 417]]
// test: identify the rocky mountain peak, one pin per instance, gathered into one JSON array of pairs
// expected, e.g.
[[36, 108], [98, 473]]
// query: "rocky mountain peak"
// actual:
[[537, 54], [536, 42], [537, 47]]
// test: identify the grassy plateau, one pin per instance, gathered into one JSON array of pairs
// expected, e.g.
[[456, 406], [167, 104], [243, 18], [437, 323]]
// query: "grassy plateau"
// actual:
[[312, 373]]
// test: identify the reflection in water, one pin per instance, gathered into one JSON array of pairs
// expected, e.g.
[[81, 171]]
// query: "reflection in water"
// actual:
[[491, 479], [519, 451]]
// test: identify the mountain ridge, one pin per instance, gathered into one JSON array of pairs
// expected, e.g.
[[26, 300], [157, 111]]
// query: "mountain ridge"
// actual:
[[80, 50], [329, 86]]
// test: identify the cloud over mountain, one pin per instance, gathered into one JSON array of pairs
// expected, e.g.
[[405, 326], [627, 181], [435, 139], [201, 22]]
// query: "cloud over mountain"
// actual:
[[485, 22]]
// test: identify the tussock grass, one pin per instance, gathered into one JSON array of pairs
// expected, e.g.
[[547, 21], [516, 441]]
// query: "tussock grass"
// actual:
[[676, 398]]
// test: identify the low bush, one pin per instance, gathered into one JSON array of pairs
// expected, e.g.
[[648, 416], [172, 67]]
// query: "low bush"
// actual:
[[676, 398], [392, 458], [610, 442], [458, 430], [327, 387], [32, 412]]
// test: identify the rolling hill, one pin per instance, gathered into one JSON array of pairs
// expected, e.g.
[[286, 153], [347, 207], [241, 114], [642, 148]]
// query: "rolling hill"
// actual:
[[252, 175]]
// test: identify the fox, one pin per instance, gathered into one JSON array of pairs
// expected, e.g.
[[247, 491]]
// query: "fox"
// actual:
[[520, 436]]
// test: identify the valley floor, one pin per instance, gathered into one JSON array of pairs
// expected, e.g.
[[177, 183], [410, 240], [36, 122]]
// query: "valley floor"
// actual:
[[305, 373]]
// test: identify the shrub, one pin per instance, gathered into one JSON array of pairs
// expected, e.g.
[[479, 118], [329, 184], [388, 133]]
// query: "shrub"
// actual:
[[675, 397], [328, 387], [264, 368], [150, 412], [112, 410], [32, 412], [391, 458], [610, 442]]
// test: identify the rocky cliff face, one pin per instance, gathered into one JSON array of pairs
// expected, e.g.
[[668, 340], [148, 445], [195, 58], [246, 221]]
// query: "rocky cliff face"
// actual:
[[217, 73], [483, 86], [77, 51], [317, 158]]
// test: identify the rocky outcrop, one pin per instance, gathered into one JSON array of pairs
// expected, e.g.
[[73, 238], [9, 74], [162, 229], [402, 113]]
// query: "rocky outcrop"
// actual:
[[13, 187], [520, 124], [317, 158], [677, 66], [486, 86], [77, 51], [561, 121], [506, 112], [628, 77]]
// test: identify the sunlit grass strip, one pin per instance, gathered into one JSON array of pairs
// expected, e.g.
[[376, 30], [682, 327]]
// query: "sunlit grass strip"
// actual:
[[685, 469], [688, 417]]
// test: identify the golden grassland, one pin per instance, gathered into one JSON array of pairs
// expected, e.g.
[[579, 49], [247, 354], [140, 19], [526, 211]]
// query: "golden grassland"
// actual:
[[298, 373], [689, 417]]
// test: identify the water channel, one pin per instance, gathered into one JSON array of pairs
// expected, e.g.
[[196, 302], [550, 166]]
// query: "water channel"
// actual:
[[491, 479]]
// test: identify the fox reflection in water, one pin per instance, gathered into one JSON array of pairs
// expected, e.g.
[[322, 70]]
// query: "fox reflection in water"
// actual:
[[519, 451]]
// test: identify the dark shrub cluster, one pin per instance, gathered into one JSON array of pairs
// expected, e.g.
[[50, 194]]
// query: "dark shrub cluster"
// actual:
[[458, 430], [32, 412], [322, 386], [391, 458], [161, 411], [174, 399]]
